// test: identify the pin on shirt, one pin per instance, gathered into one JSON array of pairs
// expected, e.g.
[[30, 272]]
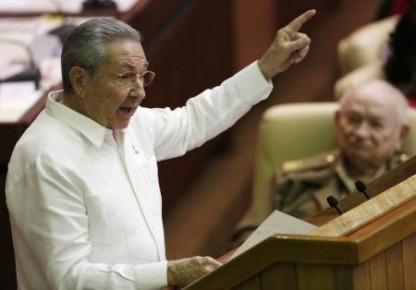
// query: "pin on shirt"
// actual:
[[134, 149]]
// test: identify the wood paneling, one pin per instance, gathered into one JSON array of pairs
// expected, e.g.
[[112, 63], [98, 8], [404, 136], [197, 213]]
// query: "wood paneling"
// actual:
[[378, 272], [280, 274], [315, 277], [361, 277], [409, 261], [344, 277], [253, 283], [394, 267]]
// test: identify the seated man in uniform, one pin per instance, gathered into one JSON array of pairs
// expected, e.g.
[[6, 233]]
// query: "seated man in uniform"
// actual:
[[371, 127]]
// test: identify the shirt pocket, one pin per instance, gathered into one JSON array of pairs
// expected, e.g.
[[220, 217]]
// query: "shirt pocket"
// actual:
[[100, 205], [102, 218], [148, 184]]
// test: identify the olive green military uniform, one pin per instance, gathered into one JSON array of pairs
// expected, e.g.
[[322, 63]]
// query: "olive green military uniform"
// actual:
[[300, 188]]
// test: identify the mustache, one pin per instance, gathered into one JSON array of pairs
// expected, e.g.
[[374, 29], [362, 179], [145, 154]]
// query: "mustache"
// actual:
[[131, 103]]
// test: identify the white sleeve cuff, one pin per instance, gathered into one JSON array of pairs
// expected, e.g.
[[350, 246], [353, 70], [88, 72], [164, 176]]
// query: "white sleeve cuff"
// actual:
[[252, 85], [152, 275]]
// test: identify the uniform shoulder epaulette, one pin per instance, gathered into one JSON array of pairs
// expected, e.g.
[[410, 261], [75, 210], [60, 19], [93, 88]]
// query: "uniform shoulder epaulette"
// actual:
[[314, 162], [403, 157]]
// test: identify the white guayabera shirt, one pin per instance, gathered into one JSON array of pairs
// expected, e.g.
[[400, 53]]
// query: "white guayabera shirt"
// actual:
[[85, 209]]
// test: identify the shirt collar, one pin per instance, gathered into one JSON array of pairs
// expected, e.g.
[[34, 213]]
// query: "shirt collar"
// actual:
[[341, 171], [84, 125]]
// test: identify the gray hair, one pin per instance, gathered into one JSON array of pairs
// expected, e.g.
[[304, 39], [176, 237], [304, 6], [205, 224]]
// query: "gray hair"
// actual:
[[86, 45]]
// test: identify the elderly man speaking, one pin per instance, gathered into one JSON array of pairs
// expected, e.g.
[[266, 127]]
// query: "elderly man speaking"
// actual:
[[82, 186]]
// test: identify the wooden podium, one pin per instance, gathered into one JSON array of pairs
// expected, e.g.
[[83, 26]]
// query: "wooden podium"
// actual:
[[371, 246]]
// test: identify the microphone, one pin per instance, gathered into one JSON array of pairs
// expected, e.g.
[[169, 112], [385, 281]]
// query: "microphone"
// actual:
[[362, 188], [31, 73], [333, 202]]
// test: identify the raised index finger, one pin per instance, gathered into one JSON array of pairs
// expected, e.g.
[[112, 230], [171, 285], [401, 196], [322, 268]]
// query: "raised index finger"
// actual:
[[297, 23]]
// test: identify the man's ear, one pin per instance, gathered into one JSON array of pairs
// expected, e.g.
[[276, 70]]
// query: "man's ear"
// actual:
[[404, 132], [78, 77]]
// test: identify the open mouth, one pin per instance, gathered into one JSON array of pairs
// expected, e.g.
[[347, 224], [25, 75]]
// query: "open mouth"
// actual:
[[127, 110]]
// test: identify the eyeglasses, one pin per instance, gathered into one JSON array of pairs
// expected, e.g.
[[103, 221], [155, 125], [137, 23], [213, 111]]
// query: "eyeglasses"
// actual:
[[127, 78]]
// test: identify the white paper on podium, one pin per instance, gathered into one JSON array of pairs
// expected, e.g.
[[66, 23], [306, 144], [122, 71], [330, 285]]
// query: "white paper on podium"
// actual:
[[276, 222]]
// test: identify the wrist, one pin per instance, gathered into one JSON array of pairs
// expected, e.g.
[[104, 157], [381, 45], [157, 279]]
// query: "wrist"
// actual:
[[263, 69]]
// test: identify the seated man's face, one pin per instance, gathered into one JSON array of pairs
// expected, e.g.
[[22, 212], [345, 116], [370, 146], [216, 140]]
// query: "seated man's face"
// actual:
[[368, 130]]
